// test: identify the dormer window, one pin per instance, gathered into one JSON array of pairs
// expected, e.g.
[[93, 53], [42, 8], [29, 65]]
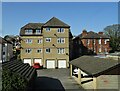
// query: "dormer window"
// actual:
[[47, 29], [28, 31], [38, 31]]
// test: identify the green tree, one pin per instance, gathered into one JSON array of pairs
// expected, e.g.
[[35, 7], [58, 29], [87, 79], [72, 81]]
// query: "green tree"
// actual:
[[113, 31]]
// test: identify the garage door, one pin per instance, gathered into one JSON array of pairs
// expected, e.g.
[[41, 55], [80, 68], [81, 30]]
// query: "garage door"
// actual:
[[50, 63], [28, 61], [61, 63], [38, 61]]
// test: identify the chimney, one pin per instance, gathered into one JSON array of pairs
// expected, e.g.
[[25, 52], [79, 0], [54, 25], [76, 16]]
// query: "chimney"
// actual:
[[101, 33], [84, 32]]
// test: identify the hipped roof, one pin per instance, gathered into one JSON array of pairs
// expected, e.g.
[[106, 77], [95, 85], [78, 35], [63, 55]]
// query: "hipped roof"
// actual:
[[92, 35], [55, 22]]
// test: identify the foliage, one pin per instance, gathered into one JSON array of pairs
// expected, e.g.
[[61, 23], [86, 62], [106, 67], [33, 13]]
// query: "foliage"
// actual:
[[113, 31], [12, 81]]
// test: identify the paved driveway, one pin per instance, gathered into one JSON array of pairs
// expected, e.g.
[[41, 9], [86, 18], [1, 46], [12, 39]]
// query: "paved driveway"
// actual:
[[56, 79]]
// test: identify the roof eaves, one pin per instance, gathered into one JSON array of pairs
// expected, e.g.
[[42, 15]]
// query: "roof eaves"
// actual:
[[49, 23]]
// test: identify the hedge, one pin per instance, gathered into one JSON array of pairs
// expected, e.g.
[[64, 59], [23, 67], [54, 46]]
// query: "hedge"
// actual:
[[12, 81]]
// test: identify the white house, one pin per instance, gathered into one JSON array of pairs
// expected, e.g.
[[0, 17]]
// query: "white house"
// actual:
[[6, 50]]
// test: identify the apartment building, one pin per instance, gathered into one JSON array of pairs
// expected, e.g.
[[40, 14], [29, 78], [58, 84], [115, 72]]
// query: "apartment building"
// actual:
[[6, 51], [0, 49], [46, 43], [91, 43]]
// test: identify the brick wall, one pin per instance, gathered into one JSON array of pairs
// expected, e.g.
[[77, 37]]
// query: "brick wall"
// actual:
[[92, 44]]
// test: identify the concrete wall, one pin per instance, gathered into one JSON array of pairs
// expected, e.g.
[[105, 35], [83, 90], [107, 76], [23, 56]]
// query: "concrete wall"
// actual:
[[107, 82], [87, 84]]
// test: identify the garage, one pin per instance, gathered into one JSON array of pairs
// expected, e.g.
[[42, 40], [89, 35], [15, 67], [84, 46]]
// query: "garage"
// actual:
[[50, 64], [61, 63], [38, 61], [28, 61]]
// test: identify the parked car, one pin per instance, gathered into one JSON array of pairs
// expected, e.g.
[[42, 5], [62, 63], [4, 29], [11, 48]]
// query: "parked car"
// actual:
[[37, 66], [75, 71]]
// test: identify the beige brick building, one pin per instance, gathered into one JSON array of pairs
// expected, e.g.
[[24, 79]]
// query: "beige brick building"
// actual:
[[46, 43]]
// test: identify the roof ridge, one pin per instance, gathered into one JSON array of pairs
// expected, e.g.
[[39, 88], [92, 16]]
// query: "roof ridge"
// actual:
[[54, 21]]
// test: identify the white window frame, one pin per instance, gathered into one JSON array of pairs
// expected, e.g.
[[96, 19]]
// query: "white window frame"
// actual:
[[48, 29], [105, 49], [94, 41], [48, 39], [100, 49], [99, 41], [61, 40], [39, 41], [88, 41], [39, 50], [28, 50], [61, 50], [60, 30], [105, 41], [28, 41], [38, 31], [48, 50], [28, 31]]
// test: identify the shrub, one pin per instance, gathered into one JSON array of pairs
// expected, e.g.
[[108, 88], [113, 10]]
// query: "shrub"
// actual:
[[12, 81]]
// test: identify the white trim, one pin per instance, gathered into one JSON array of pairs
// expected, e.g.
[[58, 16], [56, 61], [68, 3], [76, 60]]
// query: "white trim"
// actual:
[[60, 30], [49, 50], [38, 31], [99, 41], [28, 41], [61, 50], [39, 41], [28, 50], [48, 29], [29, 31], [48, 39], [40, 50], [60, 40]]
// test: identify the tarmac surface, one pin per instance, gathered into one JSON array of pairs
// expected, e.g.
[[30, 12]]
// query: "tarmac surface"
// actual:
[[56, 79]]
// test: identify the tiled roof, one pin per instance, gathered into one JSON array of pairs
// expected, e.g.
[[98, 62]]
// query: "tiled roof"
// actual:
[[31, 26], [92, 35], [55, 22], [94, 65], [2, 40]]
